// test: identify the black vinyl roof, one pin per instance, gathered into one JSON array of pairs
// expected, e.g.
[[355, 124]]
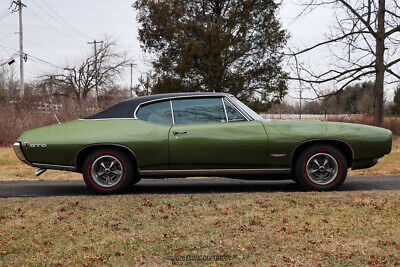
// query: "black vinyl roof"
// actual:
[[126, 108]]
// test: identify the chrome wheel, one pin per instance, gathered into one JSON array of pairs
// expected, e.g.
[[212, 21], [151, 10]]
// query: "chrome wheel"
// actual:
[[322, 168], [107, 171]]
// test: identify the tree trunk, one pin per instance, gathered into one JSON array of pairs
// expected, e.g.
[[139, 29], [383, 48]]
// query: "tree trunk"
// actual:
[[379, 66]]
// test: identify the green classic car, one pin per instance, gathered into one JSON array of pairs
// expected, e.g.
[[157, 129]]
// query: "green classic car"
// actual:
[[200, 134]]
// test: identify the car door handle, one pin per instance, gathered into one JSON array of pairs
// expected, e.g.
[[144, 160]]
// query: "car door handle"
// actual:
[[179, 132]]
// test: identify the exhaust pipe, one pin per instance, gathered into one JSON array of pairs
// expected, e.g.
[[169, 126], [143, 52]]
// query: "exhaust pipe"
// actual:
[[40, 172]]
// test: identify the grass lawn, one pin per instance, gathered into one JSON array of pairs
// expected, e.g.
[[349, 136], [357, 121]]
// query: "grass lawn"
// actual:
[[309, 228], [13, 169]]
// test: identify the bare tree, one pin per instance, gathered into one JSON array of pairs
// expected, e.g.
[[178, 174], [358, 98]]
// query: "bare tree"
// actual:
[[364, 44], [100, 69], [8, 81]]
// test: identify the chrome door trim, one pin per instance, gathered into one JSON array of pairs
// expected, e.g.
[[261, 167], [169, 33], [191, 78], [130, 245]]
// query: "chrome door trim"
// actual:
[[236, 108], [212, 172], [172, 112], [226, 114], [241, 111], [171, 98], [107, 119]]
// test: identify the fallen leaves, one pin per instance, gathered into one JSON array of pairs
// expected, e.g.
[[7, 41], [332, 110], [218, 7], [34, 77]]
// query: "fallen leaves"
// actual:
[[117, 232]]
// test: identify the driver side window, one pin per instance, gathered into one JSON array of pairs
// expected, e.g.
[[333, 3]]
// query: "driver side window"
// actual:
[[198, 110]]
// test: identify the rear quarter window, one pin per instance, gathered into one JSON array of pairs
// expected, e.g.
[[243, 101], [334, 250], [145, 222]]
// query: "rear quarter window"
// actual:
[[159, 112]]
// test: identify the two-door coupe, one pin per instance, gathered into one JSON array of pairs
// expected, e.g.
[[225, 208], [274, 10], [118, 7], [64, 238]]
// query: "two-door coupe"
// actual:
[[200, 134]]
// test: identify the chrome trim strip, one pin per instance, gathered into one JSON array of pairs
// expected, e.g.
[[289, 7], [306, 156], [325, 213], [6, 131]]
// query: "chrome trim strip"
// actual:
[[240, 110], [54, 167], [226, 114], [172, 98], [212, 172], [107, 119], [245, 116], [20, 154], [172, 112]]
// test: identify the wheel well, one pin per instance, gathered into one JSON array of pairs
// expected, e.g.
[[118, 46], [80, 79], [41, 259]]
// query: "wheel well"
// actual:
[[342, 146], [81, 156]]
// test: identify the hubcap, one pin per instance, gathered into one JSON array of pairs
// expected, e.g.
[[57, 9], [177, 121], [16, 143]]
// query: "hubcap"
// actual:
[[107, 171], [322, 168]]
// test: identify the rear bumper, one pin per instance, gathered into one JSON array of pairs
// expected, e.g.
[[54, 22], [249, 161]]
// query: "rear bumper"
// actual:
[[20, 154]]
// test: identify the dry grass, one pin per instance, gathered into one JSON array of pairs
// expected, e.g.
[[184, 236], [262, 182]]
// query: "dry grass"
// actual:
[[12, 169], [331, 229]]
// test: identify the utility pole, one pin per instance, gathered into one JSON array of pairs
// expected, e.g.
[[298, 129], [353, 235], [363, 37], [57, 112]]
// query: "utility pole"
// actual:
[[94, 43], [131, 88], [300, 87], [20, 5]]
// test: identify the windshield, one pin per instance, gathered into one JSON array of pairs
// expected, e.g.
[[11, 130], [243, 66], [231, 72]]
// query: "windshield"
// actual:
[[246, 109]]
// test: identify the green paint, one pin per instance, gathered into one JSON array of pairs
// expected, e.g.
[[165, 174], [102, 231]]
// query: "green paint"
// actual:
[[214, 145]]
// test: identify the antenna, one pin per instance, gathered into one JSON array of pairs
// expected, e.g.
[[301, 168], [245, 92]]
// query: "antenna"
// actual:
[[55, 116]]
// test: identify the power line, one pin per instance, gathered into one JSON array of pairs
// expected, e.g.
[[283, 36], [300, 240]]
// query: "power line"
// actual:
[[9, 60], [5, 14], [33, 57], [48, 24], [45, 62], [62, 21], [10, 48]]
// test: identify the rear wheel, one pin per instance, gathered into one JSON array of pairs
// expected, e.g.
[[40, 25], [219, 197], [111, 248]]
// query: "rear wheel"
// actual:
[[109, 171], [321, 167]]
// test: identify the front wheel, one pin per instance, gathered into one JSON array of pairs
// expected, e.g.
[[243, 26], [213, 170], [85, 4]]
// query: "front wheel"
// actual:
[[108, 171], [321, 167]]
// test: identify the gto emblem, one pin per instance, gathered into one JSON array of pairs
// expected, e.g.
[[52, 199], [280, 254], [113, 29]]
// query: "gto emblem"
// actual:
[[38, 145]]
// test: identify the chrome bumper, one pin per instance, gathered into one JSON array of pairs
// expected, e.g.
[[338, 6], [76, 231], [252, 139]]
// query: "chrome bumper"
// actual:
[[20, 154]]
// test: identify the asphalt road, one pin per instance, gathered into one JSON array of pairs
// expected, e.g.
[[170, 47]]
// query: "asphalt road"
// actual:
[[170, 186]]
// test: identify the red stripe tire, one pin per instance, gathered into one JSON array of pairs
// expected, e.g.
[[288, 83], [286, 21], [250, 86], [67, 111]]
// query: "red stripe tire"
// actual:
[[108, 171], [321, 167]]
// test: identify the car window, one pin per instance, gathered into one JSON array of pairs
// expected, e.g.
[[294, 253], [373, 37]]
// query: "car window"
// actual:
[[159, 112], [232, 113], [246, 109], [199, 110]]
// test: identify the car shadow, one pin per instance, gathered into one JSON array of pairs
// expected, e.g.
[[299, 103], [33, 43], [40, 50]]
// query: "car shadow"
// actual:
[[186, 186]]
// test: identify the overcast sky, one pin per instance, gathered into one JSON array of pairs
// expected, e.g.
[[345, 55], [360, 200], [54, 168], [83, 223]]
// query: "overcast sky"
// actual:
[[58, 31]]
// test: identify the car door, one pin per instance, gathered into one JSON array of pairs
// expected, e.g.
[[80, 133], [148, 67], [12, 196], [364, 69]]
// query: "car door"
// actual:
[[210, 133], [150, 135]]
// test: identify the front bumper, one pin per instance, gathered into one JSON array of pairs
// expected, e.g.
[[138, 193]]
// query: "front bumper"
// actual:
[[364, 163], [20, 154]]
